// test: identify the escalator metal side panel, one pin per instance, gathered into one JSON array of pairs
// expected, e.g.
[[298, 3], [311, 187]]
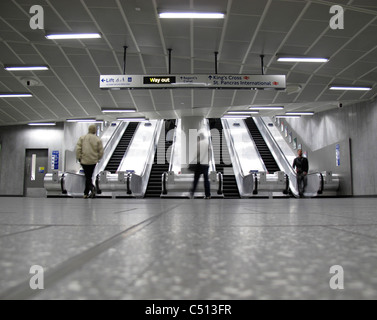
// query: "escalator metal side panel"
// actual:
[[244, 155], [145, 175], [110, 148]]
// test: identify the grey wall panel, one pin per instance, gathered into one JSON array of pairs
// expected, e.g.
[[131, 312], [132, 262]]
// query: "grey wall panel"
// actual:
[[15, 140]]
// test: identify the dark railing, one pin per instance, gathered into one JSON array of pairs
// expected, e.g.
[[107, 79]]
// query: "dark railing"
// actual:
[[286, 190], [322, 184], [99, 191], [62, 184], [255, 190], [220, 189], [129, 191], [164, 189]]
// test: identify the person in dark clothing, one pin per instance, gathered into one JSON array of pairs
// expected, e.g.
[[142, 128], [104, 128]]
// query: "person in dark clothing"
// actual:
[[301, 165], [202, 167]]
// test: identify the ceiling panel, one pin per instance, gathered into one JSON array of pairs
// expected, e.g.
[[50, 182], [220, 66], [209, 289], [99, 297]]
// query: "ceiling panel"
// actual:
[[310, 92], [241, 28], [243, 7], [267, 42], [71, 10], [244, 97], [282, 15], [251, 28]]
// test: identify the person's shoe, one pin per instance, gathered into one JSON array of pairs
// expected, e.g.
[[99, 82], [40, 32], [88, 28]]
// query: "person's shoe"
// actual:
[[85, 196], [207, 198], [93, 193]]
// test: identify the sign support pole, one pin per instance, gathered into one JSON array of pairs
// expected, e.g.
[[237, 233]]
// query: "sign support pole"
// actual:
[[216, 53], [170, 50], [262, 63], [124, 59]]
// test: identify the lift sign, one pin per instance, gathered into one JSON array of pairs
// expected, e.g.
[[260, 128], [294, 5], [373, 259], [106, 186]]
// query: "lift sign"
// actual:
[[159, 80]]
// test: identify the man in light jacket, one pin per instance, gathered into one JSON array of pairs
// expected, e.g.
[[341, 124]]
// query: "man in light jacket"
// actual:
[[89, 150]]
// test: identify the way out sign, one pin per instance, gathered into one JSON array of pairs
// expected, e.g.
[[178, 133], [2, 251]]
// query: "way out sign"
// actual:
[[194, 81]]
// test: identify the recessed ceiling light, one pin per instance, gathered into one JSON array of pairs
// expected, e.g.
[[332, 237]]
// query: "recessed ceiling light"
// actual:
[[105, 110], [299, 113], [26, 68], [73, 36], [243, 112], [132, 119], [42, 124], [191, 15], [301, 59], [357, 88], [15, 95], [286, 116], [85, 120], [233, 116], [265, 108]]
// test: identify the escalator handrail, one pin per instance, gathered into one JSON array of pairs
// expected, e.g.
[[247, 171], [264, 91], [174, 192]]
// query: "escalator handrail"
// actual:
[[164, 189], [99, 191], [154, 146], [128, 147], [272, 139], [322, 184], [171, 163], [255, 189], [256, 147], [129, 184], [232, 149], [220, 190], [286, 191], [62, 184], [110, 147], [211, 160]]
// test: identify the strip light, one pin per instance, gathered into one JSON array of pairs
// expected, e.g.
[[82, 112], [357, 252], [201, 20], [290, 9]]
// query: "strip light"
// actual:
[[286, 116], [73, 36], [236, 116], [85, 120], [243, 112], [117, 110], [191, 15], [42, 124], [301, 59], [266, 108], [350, 88], [132, 119], [15, 95], [299, 113], [26, 68]]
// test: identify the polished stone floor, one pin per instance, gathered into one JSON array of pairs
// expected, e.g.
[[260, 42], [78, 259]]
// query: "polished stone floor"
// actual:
[[188, 249]]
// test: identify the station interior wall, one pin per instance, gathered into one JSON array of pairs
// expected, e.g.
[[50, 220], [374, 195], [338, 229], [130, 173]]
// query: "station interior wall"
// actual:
[[353, 127]]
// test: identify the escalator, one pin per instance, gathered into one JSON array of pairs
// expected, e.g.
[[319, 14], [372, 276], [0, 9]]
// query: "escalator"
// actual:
[[223, 161], [160, 163], [121, 149], [262, 147]]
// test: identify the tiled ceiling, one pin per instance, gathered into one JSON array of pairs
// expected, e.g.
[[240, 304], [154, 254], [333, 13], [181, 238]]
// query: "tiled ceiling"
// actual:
[[251, 28]]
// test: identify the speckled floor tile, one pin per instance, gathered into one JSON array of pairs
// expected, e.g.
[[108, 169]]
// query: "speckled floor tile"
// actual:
[[189, 249]]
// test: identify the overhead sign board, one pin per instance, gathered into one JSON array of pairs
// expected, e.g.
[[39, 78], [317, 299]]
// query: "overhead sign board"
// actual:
[[200, 81]]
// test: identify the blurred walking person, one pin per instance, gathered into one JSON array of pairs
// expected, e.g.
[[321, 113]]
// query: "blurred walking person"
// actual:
[[202, 166]]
